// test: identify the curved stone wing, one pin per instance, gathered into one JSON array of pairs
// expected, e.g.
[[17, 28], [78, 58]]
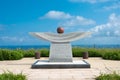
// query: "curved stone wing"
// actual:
[[60, 37]]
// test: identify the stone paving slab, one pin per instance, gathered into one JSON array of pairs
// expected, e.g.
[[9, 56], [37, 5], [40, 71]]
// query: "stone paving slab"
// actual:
[[98, 66]]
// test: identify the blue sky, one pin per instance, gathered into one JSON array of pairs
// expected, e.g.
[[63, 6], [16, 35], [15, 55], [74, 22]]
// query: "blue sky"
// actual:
[[19, 17]]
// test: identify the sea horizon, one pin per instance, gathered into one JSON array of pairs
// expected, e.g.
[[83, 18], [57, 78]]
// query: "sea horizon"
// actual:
[[48, 46]]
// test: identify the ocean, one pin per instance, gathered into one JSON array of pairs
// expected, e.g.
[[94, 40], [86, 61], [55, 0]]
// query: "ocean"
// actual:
[[48, 46]]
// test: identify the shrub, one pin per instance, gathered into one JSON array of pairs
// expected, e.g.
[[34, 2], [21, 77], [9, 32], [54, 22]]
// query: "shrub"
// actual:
[[11, 76], [16, 55], [20, 51], [113, 76], [6, 54], [94, 52], [26, 53], [1, 55], [111, 56], [29, 53], [44, 52], [77, 52]]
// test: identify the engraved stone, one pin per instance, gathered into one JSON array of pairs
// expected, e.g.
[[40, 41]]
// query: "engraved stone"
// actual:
[[60, 52]]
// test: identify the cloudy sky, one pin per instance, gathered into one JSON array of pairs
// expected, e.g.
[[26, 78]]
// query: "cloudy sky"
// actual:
[[19, 17]]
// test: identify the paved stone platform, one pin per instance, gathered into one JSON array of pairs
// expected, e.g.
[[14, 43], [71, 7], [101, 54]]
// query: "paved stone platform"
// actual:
[[47, 64], [98, 66]]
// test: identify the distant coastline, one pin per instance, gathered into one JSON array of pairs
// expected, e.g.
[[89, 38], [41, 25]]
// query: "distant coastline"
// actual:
[[48, 46]]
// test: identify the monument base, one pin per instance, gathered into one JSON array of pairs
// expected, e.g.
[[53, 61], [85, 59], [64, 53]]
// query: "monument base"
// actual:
[[60, 52], [47, 64]]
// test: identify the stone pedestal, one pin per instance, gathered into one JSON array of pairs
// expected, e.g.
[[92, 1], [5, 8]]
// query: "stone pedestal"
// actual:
[[60, 52], [60, 55], [47, 64]]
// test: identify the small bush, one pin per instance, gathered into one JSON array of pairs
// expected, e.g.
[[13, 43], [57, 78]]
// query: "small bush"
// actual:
[[77, 52], [111, 56], [10, 55], [1, 55], [94, 52], [29, 53], [20, 51], [6, 54], [16, 55], [113, 76], [44, 52], [11, 76]]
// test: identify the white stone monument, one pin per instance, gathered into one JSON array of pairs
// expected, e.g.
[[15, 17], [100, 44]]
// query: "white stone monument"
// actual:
[[60, 48]]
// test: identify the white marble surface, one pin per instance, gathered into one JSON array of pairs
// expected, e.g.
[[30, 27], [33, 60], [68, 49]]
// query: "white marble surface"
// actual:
[[47, 62], [52, 37]]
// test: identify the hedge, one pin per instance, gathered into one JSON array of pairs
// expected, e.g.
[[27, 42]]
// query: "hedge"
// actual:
[[111, 54], [10, 54], [44, 52]]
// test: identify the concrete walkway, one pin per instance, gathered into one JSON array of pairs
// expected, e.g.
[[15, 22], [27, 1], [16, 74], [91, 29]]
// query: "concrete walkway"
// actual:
[[98, 66]]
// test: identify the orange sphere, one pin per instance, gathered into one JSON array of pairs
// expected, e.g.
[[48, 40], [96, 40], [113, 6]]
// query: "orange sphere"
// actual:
[[60, 30]]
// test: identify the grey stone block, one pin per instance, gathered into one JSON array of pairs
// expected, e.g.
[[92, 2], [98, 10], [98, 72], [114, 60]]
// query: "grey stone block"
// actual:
[[60, 52]]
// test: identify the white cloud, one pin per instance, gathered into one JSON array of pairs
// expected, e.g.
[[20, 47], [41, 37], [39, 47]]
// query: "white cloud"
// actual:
[[117, 32], [78, 20], [69, 20], [114, 6], [91, 1], [112, 28], [101, 40], [1, 26], [57, 15], [11, 39]]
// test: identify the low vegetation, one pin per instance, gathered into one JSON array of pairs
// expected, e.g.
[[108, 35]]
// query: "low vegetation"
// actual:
[[113, 76], [110, 54], [6, 54], [11, 76]]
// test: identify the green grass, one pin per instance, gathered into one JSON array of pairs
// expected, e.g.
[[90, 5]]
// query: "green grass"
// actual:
[[113, 76], [10, 76]]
